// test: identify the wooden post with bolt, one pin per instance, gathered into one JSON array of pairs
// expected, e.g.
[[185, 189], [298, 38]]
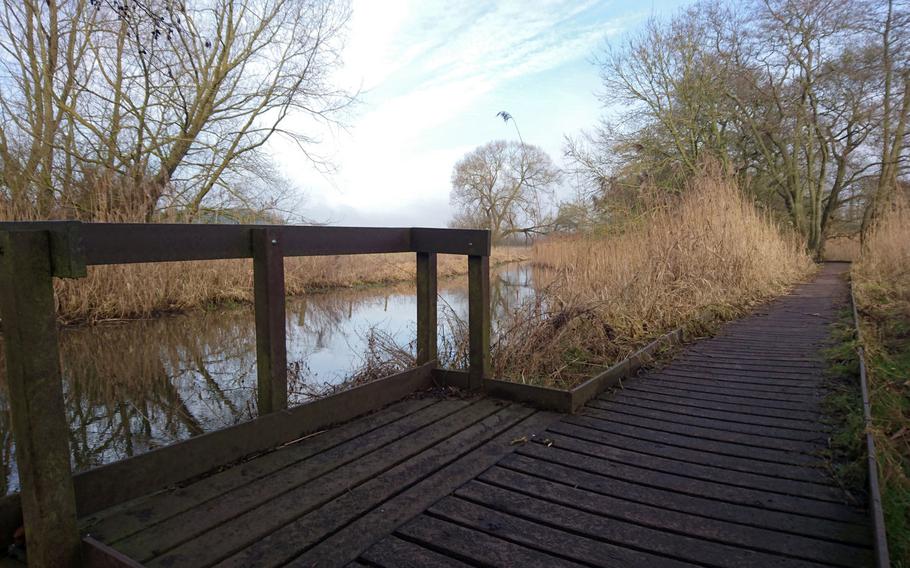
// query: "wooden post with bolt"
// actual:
[[36, 396], [269, 304]]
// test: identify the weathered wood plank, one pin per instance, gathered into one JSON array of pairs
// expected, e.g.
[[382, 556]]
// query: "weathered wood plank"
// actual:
[[652, 446], [660, 517], [381, 521], [353, 438], [670, 404], [478, 546], [217, 531], [687, 437], [96, 554], [291, 540], [705, 499], [667, 463], [398, 553], [728, 489], [544, 536], [612, 529], [815, 439], [719, 433]]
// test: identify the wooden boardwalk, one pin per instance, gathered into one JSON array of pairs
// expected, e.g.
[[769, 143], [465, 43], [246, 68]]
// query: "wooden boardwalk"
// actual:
[[713, 460]]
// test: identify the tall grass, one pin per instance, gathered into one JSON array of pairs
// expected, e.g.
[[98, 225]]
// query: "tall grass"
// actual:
[[710, 250], [881, 280], [144, 290]]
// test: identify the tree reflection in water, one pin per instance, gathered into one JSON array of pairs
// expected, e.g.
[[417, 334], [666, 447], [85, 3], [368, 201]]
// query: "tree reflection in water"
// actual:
[[135, 386]]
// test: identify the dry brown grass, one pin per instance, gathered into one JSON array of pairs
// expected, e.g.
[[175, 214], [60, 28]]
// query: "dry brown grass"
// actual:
[[842, 248], [143, 290], [881, 280], [711, 250]]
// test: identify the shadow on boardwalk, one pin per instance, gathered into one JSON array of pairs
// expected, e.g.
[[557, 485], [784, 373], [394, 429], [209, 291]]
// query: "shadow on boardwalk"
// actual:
[[712, 460]]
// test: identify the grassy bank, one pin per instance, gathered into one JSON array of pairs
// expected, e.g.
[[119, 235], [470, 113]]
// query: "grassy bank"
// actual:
[[145, 290], [881, 280], [710, 250]]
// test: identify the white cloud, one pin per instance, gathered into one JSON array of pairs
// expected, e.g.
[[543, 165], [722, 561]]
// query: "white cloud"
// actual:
[[434, 73]]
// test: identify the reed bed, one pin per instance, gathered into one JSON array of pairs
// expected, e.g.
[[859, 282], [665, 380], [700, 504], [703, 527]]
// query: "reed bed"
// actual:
[[710, 251], [138, 291], [881, 280]]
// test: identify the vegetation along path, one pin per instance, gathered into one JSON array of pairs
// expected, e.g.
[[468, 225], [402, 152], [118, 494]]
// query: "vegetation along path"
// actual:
[[713, 460]]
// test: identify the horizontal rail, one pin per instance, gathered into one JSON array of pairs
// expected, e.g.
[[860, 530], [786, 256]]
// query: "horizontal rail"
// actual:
[[126, 243]]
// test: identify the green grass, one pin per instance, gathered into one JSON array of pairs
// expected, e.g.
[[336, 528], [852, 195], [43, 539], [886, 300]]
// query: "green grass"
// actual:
[[885, 322]]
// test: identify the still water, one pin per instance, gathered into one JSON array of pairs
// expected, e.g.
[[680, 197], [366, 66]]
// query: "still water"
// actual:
[[138, 385]]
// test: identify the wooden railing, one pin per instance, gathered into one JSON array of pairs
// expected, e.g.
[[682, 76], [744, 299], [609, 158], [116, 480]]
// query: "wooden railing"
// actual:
[[32, 254]]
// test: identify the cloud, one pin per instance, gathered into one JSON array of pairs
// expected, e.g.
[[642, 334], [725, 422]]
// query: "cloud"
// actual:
[[433, 73]]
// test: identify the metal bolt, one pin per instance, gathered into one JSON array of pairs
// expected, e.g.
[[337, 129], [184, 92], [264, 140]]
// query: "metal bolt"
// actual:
[[274, 241]]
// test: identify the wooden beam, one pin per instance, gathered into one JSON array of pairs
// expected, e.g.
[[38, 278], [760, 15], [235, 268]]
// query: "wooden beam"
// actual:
[[451, 241], [426, 307], [36, 399], [479, 319], [271, 335]]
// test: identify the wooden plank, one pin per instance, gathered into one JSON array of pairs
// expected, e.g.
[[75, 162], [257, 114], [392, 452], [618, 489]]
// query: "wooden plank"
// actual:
[[269, 309], [544, 398], [670, 403], [381, 521], [684, 495], [451, 378], [708, 429], [788, 408], [630, 456], [272, 505], [288, 542], [611, 529], [129, 518], [695, 451], [810, 400], [478, 319], [703, 431], [122, 243], [736, 383], [477, 546], [658, 516], [625, 368], [720, 402], [102, 487], [753, 491], [542, 535], [96, 554], [399, 553], [245, 497], [426, 307], [472, 242], [36, 405]]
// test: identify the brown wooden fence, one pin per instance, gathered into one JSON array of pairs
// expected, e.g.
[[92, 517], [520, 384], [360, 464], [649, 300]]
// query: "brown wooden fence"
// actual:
[[32, 254]]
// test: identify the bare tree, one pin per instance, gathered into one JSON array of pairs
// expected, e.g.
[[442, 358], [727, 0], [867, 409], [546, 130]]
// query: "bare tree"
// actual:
[[505, 187], [177, 99], [803, 100]]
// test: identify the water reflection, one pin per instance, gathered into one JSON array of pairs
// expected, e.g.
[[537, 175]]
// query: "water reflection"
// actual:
[[139, 385]]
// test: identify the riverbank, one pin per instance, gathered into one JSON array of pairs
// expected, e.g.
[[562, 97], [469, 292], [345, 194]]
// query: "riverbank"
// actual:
[[141, 291]]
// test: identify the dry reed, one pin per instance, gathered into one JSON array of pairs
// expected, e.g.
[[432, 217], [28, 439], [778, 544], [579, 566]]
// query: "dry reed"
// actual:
[[881, 279], [711, 250], [144, 290]]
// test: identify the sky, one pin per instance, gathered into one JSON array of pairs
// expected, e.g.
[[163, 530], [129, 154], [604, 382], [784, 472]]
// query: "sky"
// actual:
[[433, 75]]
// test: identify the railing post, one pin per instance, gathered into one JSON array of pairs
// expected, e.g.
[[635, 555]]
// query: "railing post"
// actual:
[[271, 336], [426, 307], [478, 319], [36, 399]]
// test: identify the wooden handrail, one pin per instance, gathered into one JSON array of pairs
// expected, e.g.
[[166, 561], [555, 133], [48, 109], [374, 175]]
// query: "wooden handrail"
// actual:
[[32, 253]]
